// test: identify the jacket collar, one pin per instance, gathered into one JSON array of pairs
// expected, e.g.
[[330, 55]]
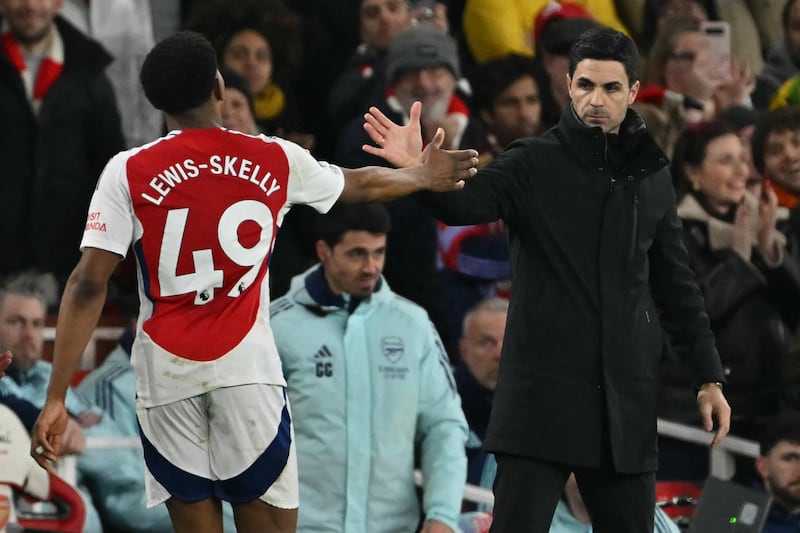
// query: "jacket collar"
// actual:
[[720, 231], [635, 142], [312, 291]]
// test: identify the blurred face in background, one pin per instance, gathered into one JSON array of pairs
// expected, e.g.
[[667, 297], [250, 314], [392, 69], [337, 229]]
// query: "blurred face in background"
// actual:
[[780, 470], [722, 176], [22, 320], [687, 70], [782, 159], [433, 86], [686, 9], [236, 112], [517, 112], [381, 20], [249, 55], [481, 344], [30, 20]]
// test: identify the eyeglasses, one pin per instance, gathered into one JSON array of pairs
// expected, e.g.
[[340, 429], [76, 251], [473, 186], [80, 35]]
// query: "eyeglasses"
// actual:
[[687, 57]]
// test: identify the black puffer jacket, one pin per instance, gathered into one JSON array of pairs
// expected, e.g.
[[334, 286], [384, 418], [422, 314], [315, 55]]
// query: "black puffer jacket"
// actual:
[[51, 161], [754, 312], [596, 251]]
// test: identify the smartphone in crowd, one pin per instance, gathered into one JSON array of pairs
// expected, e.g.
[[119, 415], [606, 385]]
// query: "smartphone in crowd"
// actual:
[[718, 37]]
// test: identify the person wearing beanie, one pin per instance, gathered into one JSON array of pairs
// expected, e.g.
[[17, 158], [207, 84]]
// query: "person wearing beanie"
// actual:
[[421, 64]]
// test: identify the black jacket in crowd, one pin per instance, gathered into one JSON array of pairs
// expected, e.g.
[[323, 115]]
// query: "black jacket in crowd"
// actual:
[[51, 161], [599, 274], [754, 311]]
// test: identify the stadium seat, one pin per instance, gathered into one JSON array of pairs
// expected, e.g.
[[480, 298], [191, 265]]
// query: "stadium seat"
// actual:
[[31, 497]]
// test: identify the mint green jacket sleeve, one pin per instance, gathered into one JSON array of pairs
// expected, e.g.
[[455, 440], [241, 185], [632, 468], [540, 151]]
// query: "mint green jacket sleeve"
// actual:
[[442, 432]]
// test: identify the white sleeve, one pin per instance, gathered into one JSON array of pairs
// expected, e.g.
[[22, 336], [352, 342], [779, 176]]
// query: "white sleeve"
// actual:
[[109, 224], [311, 182]]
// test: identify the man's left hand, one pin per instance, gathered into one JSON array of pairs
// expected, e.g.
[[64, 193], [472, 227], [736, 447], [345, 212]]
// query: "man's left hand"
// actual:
[[434, 526], [5, 360], [712, 403]]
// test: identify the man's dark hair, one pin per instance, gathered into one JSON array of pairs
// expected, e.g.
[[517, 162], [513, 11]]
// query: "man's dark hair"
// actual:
[[606, 44], [779, 120], [492, 78], [342, 218], [179, 72], [784, 426]]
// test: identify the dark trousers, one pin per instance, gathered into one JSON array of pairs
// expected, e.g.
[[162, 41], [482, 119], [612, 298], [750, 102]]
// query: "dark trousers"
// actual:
[[526, 492]]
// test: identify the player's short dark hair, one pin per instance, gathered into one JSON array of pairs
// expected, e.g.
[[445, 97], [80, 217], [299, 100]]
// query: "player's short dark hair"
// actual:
[[342, 218], [784, 426], [606, 44], [178, 74]]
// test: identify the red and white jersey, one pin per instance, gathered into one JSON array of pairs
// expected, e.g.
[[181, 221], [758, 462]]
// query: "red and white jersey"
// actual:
[[201, 208]]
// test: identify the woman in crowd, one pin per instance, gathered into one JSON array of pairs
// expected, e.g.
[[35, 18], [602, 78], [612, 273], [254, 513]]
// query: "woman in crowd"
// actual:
[[746, 262]]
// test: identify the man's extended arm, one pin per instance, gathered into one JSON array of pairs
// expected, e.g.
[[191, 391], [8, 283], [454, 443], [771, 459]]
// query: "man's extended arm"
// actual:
[[81, 306], [685, 319]]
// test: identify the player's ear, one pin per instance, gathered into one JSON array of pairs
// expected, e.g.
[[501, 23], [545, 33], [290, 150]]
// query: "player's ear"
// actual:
[[323, 250], [218, 91]]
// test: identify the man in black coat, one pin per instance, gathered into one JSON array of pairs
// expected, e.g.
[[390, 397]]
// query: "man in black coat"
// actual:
[[59, 125], [600, 274]]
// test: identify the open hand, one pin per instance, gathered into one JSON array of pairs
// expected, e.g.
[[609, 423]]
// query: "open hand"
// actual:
[[399, 145], [735, 89], [742, 240], [767, 217]]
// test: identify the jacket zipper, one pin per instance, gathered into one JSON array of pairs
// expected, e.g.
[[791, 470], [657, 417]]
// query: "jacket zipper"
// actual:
[[635, 229]]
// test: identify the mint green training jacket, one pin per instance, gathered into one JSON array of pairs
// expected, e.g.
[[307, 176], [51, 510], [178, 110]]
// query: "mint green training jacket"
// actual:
[[366, 387]]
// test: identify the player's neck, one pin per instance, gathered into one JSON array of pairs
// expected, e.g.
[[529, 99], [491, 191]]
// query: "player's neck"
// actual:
[[192, 120]]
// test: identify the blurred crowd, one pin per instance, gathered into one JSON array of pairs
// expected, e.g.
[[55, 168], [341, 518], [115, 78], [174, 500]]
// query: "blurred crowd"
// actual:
[[720, 92]]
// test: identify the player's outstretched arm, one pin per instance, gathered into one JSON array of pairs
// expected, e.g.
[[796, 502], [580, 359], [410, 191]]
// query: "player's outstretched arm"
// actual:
[[436, 170], [81, 305]]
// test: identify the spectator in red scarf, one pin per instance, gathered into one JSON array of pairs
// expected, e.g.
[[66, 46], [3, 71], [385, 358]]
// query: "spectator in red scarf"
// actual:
[[59, 126]]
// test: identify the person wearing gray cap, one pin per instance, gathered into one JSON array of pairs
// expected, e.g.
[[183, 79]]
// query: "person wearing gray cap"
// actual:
[[421, 64]]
